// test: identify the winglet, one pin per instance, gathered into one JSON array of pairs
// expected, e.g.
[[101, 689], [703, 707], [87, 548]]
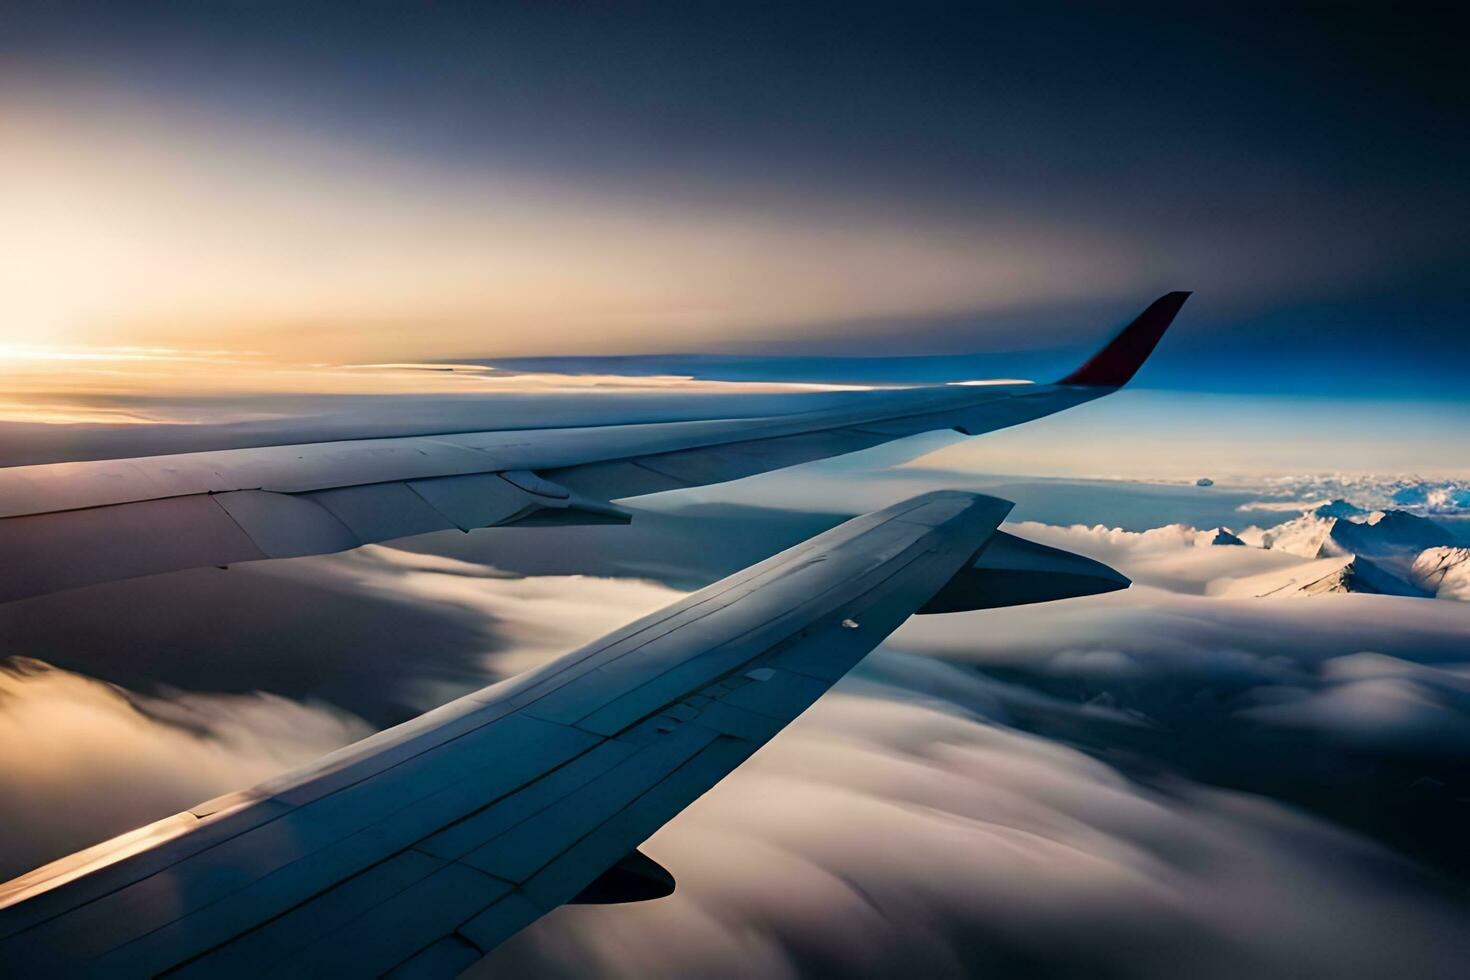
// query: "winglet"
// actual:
[[1119, 361]]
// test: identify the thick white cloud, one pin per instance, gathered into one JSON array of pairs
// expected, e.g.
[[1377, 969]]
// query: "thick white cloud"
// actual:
[[1176, 557]]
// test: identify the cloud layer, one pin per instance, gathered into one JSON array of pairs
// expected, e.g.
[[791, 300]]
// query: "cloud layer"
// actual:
[[1128, 785], [81, 761], [893, 832]]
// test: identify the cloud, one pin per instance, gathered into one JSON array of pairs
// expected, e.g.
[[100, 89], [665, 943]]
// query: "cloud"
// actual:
[[81, 760], [1379, 702], [533, 618], [894, 832], [68, 740], [1123, 784], [1418, 495], [1349, 706], [382, 633], [109, 385], [1283, 506], [1176, 557]]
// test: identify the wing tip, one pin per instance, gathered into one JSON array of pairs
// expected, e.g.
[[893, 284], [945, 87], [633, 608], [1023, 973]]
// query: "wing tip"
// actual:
[[1117, 363]]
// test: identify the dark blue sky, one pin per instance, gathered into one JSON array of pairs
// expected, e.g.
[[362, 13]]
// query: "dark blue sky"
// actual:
[[1301, 167]]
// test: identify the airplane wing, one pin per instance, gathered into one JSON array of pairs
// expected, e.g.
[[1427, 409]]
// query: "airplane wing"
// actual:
[[418, 850], [64, 525]]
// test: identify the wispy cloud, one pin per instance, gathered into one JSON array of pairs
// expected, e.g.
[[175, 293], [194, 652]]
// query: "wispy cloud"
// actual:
[[81, 760], [107, 385]]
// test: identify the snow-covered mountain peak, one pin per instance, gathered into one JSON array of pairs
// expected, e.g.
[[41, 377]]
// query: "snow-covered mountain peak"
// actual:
[[1348, 548], [1391, 532], [1340, 508], [1322, 576], [1305, 535], [1221, 535], [1445, 572], [1341, 528]]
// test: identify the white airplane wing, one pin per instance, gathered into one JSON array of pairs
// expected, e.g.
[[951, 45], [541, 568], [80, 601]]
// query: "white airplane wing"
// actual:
[[418, 850], [64, 525]]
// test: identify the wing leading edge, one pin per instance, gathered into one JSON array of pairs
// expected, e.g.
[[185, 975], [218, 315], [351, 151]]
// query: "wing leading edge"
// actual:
[[420, 849]]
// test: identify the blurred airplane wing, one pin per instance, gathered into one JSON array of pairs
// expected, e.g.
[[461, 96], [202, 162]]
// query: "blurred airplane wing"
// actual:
[[64, 525], [418, 850]]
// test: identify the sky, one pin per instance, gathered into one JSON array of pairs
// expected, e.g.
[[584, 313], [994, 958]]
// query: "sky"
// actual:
[[194, 191], [379, 181]]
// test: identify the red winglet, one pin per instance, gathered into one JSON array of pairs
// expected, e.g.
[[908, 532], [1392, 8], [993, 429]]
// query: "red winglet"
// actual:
[[1119, 361]]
